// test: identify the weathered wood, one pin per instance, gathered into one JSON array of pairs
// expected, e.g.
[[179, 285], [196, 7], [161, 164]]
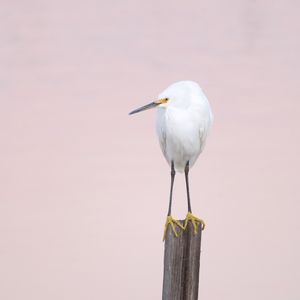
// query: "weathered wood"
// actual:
[[182, 264]]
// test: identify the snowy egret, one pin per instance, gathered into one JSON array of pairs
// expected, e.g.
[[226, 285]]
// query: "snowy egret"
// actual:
[[183, 120]]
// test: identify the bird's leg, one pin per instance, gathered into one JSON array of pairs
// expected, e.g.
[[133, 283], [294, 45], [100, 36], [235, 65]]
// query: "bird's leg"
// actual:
[[186, 172], [170, 220], [173, 173], [190, 216]]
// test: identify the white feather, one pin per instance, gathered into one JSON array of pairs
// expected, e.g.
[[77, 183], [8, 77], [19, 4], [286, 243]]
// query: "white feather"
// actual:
[[182, 124]]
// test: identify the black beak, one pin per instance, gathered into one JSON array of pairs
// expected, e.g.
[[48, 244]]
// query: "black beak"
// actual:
[[145, 107]]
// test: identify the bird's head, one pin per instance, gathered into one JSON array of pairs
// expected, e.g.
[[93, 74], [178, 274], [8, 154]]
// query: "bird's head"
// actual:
[[179, 94]]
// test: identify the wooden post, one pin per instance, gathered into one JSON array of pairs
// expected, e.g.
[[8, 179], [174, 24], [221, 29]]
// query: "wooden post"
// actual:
[[182, 264]]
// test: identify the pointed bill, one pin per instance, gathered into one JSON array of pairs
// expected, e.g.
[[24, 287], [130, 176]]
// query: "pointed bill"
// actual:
[[149, 106], [145, 107]]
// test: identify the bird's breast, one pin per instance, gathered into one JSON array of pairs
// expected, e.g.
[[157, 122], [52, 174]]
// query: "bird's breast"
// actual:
[[178, 133]]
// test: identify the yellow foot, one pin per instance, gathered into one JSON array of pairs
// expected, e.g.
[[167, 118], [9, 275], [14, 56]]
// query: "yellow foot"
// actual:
[[170, 221], [194, 220]]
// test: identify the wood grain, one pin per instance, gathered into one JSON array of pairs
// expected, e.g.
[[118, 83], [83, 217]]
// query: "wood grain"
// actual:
[[182, 264]]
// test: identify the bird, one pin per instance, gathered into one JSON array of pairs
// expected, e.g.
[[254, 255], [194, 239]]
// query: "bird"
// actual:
[[183, 121]]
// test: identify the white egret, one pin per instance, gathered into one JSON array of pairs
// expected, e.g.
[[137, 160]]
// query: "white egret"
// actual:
[[183, 120]]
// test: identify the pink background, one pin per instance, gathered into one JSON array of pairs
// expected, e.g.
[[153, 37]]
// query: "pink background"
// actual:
[[84, 187]]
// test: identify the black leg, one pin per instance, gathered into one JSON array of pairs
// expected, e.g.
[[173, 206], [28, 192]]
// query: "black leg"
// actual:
[[186, 172], [171, 189]]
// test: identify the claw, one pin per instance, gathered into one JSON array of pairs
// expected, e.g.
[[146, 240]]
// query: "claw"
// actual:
[[194, 220], [170, 221]]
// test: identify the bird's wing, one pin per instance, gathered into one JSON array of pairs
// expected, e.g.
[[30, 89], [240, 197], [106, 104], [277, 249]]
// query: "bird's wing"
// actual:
[[203, 132], [161, 131], [202, 137], [162, 139]]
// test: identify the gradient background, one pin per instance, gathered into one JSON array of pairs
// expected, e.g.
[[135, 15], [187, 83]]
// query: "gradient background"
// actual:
[[84, 187]]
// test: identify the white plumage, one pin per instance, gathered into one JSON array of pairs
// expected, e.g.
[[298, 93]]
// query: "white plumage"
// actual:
[[182, 123], [183, 120]]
